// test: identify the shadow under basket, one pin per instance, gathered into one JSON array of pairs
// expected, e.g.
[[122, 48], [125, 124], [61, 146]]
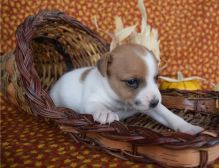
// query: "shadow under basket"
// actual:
[[52, 43]]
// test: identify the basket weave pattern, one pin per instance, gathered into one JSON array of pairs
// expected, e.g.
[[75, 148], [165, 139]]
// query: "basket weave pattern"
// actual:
[[51, 43]]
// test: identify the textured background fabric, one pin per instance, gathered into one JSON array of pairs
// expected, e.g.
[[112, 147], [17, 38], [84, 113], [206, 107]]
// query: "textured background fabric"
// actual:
[[189, 29], [189, 33], [28, 142]]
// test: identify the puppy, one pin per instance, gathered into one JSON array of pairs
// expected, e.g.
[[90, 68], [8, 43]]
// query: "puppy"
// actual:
[[122, 84]]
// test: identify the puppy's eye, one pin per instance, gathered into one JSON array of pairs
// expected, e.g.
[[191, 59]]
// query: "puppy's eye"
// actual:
[[133, 83], [156, 78]]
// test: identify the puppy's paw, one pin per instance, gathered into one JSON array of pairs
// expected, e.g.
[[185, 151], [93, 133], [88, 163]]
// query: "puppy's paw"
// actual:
[[105, 116], [189, 128]]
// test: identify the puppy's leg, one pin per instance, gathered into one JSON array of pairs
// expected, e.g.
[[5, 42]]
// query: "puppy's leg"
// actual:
[[100, 113], [169, 119]]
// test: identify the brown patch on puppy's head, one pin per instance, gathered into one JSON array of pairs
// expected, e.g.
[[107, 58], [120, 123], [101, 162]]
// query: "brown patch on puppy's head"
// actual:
[[126, 71]]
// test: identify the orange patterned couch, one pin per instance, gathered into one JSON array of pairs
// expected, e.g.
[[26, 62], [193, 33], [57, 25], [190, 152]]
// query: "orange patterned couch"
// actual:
[[189, 33], [188, 29]]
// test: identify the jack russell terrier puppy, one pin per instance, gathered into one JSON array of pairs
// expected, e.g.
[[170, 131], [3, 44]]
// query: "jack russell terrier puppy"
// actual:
[[122, 84]]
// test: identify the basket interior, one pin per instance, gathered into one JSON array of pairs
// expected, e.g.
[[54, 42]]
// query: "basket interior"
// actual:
[[59, 47], [204, 120]]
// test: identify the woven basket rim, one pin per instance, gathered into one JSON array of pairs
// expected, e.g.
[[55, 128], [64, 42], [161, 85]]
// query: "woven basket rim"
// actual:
[[42, 104]]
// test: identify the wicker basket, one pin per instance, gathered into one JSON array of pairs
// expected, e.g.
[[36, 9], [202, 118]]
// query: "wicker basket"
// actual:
[[51, 43]]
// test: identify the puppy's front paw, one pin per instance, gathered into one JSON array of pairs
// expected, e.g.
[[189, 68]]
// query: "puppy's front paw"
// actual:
[[105, 116], [189, 128]]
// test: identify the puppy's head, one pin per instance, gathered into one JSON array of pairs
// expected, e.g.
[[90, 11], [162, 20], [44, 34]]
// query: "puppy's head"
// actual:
[[131, 71]]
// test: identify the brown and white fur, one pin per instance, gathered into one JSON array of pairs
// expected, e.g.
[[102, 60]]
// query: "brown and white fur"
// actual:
[[122, 84]]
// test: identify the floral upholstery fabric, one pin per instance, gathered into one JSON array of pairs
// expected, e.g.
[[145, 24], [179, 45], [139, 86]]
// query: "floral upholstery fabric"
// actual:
[[188, 29]]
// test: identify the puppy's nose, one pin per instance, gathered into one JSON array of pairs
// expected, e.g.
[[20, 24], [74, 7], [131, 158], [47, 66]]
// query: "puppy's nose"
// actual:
[[154, 102]]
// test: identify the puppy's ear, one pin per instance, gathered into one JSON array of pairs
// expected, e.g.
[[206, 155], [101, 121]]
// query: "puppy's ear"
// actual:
[[103, 64]]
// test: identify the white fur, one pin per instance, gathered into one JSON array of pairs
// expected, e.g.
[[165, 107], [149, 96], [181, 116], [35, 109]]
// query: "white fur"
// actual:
[[150, 90], [91, 96], [95, 96]]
